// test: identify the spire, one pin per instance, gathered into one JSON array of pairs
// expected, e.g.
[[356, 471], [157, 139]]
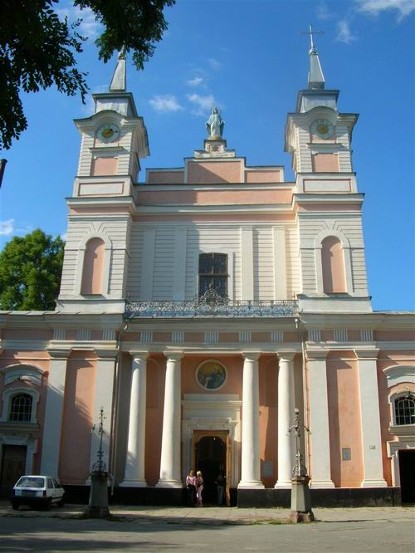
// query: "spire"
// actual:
[[315, 76], [118, 82]]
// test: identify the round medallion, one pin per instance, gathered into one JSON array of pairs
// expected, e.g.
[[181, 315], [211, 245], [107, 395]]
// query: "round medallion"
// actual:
[[322, 128], [108, 133], [211, 375]]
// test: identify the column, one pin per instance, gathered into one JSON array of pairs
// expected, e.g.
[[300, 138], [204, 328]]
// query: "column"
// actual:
[[370, 419], [250, 463], [134, 475], [52, 426], [320, 469], [104, 395], [170, 476], [285, 418]]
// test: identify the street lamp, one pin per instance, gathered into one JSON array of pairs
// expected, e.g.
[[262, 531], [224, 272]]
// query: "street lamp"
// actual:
[[300, 493]]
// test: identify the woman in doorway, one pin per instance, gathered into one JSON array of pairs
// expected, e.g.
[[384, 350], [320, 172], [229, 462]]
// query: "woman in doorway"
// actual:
[[199, 488], [220, 488], [191, 488]]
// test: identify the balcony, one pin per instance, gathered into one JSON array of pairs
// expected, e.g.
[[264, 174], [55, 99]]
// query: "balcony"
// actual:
[[211, 304]]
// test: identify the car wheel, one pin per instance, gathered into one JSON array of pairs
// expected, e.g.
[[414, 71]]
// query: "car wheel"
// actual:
[[60, 503], [15, 505]]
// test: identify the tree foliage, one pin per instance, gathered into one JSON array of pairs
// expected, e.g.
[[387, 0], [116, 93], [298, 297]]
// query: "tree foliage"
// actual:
[[30, 272], [38, 49]]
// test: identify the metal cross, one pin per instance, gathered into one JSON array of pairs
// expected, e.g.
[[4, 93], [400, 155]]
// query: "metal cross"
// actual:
[[311, 32]]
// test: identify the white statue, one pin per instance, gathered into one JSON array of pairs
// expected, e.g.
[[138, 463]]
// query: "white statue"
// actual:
[[215, 124]]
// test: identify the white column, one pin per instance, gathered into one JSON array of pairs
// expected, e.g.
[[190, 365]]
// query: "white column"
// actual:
[[285, 418], [170, 475], [104, 391], [250, 462], [134, 475], [370, 420], [320, 469], [53, 413]]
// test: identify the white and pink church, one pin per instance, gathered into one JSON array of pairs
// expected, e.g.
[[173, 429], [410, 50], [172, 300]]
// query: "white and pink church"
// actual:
[[198, 309]]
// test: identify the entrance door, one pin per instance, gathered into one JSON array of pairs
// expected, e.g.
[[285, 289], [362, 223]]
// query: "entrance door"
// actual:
[[407, 475], [13, 465], [210, 457]]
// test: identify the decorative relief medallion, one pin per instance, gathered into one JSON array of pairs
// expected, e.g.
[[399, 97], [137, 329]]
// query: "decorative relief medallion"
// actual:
[[108, 132], [211, 375], [322, 128]]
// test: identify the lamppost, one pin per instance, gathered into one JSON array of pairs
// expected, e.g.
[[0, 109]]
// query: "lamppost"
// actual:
[[98, 497], [300, 492]]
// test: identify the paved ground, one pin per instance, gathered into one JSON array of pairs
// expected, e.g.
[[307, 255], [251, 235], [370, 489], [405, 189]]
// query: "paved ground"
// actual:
[[219, 515], [210, 529]]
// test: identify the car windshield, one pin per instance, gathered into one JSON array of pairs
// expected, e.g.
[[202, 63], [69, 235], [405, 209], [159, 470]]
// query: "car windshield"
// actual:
[[31, 482]]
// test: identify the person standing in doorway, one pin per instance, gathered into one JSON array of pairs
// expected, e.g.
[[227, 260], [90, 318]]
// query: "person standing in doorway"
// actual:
[[199, 488], [220, 488], [191, 488]]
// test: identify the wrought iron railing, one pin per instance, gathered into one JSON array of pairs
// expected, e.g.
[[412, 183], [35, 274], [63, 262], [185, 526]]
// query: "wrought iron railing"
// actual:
[[211, 304]]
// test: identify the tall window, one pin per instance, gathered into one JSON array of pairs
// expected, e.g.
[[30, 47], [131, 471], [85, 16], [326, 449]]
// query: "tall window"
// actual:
[[21, 408], [405, 410], [213, 273]]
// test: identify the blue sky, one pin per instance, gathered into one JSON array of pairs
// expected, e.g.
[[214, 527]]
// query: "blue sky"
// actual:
[[249, 58]]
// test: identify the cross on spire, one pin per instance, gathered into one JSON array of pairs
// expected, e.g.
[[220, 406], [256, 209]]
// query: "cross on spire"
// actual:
[[311, 32]]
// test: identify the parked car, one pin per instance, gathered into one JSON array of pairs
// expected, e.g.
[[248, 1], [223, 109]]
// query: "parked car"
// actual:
[[37, 491]]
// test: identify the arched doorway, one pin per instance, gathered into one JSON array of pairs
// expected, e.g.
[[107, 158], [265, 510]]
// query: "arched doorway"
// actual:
[[210, 457]]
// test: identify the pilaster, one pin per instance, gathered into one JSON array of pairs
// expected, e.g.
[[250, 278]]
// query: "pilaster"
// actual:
[[320, 469], [370, 418], [52, 425]]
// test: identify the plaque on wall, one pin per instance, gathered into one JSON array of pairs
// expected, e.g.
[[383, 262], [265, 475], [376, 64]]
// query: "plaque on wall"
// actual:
[[211, 375]]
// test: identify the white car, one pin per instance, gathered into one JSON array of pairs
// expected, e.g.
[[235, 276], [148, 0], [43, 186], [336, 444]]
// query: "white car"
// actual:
[[37, 491]]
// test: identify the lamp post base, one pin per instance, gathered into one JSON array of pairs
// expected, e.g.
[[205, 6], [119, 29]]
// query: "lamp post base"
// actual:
[[301, 500], [98, 497]]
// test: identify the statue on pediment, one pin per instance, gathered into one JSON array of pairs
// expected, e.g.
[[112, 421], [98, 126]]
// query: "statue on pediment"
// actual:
[[215, 124]]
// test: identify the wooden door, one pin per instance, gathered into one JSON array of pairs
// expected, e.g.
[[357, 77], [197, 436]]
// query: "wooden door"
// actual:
[[13, 466]]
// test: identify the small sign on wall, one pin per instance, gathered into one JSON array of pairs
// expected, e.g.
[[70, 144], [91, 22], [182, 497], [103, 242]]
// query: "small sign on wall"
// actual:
[[346, 454]]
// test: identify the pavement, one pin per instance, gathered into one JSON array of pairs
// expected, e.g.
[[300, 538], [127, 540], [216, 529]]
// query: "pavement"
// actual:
[[219, 515]]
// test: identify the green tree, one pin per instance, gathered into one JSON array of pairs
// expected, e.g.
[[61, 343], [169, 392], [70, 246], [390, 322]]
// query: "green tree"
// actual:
[[38, 49], [30, 272]]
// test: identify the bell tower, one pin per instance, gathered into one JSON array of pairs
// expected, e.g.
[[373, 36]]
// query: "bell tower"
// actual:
[[327, 203], [113, 140]]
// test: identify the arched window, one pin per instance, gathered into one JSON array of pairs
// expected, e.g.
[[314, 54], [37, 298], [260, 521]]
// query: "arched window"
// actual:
[[93, 269], [332, 260], [405, 410], [21, 408]]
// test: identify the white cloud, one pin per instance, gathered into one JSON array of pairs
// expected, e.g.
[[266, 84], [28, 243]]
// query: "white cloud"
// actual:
[[195, 82], [323, 12], [344, 34], [214, 64], [374, 7], [165, 103], [202, 103], [7, 227], [89, 26]]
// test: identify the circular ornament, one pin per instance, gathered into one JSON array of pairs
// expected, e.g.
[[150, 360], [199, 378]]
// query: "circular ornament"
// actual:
[[108, 132], [211, 375], [322, 128]]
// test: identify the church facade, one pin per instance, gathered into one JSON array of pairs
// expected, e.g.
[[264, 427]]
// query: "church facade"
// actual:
[[198, 311]]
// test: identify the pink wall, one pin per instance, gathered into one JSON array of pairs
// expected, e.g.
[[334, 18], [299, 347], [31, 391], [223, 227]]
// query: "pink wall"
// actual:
[[344, 419]]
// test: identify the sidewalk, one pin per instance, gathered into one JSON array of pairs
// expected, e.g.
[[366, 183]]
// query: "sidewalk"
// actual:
[[218, 515]]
